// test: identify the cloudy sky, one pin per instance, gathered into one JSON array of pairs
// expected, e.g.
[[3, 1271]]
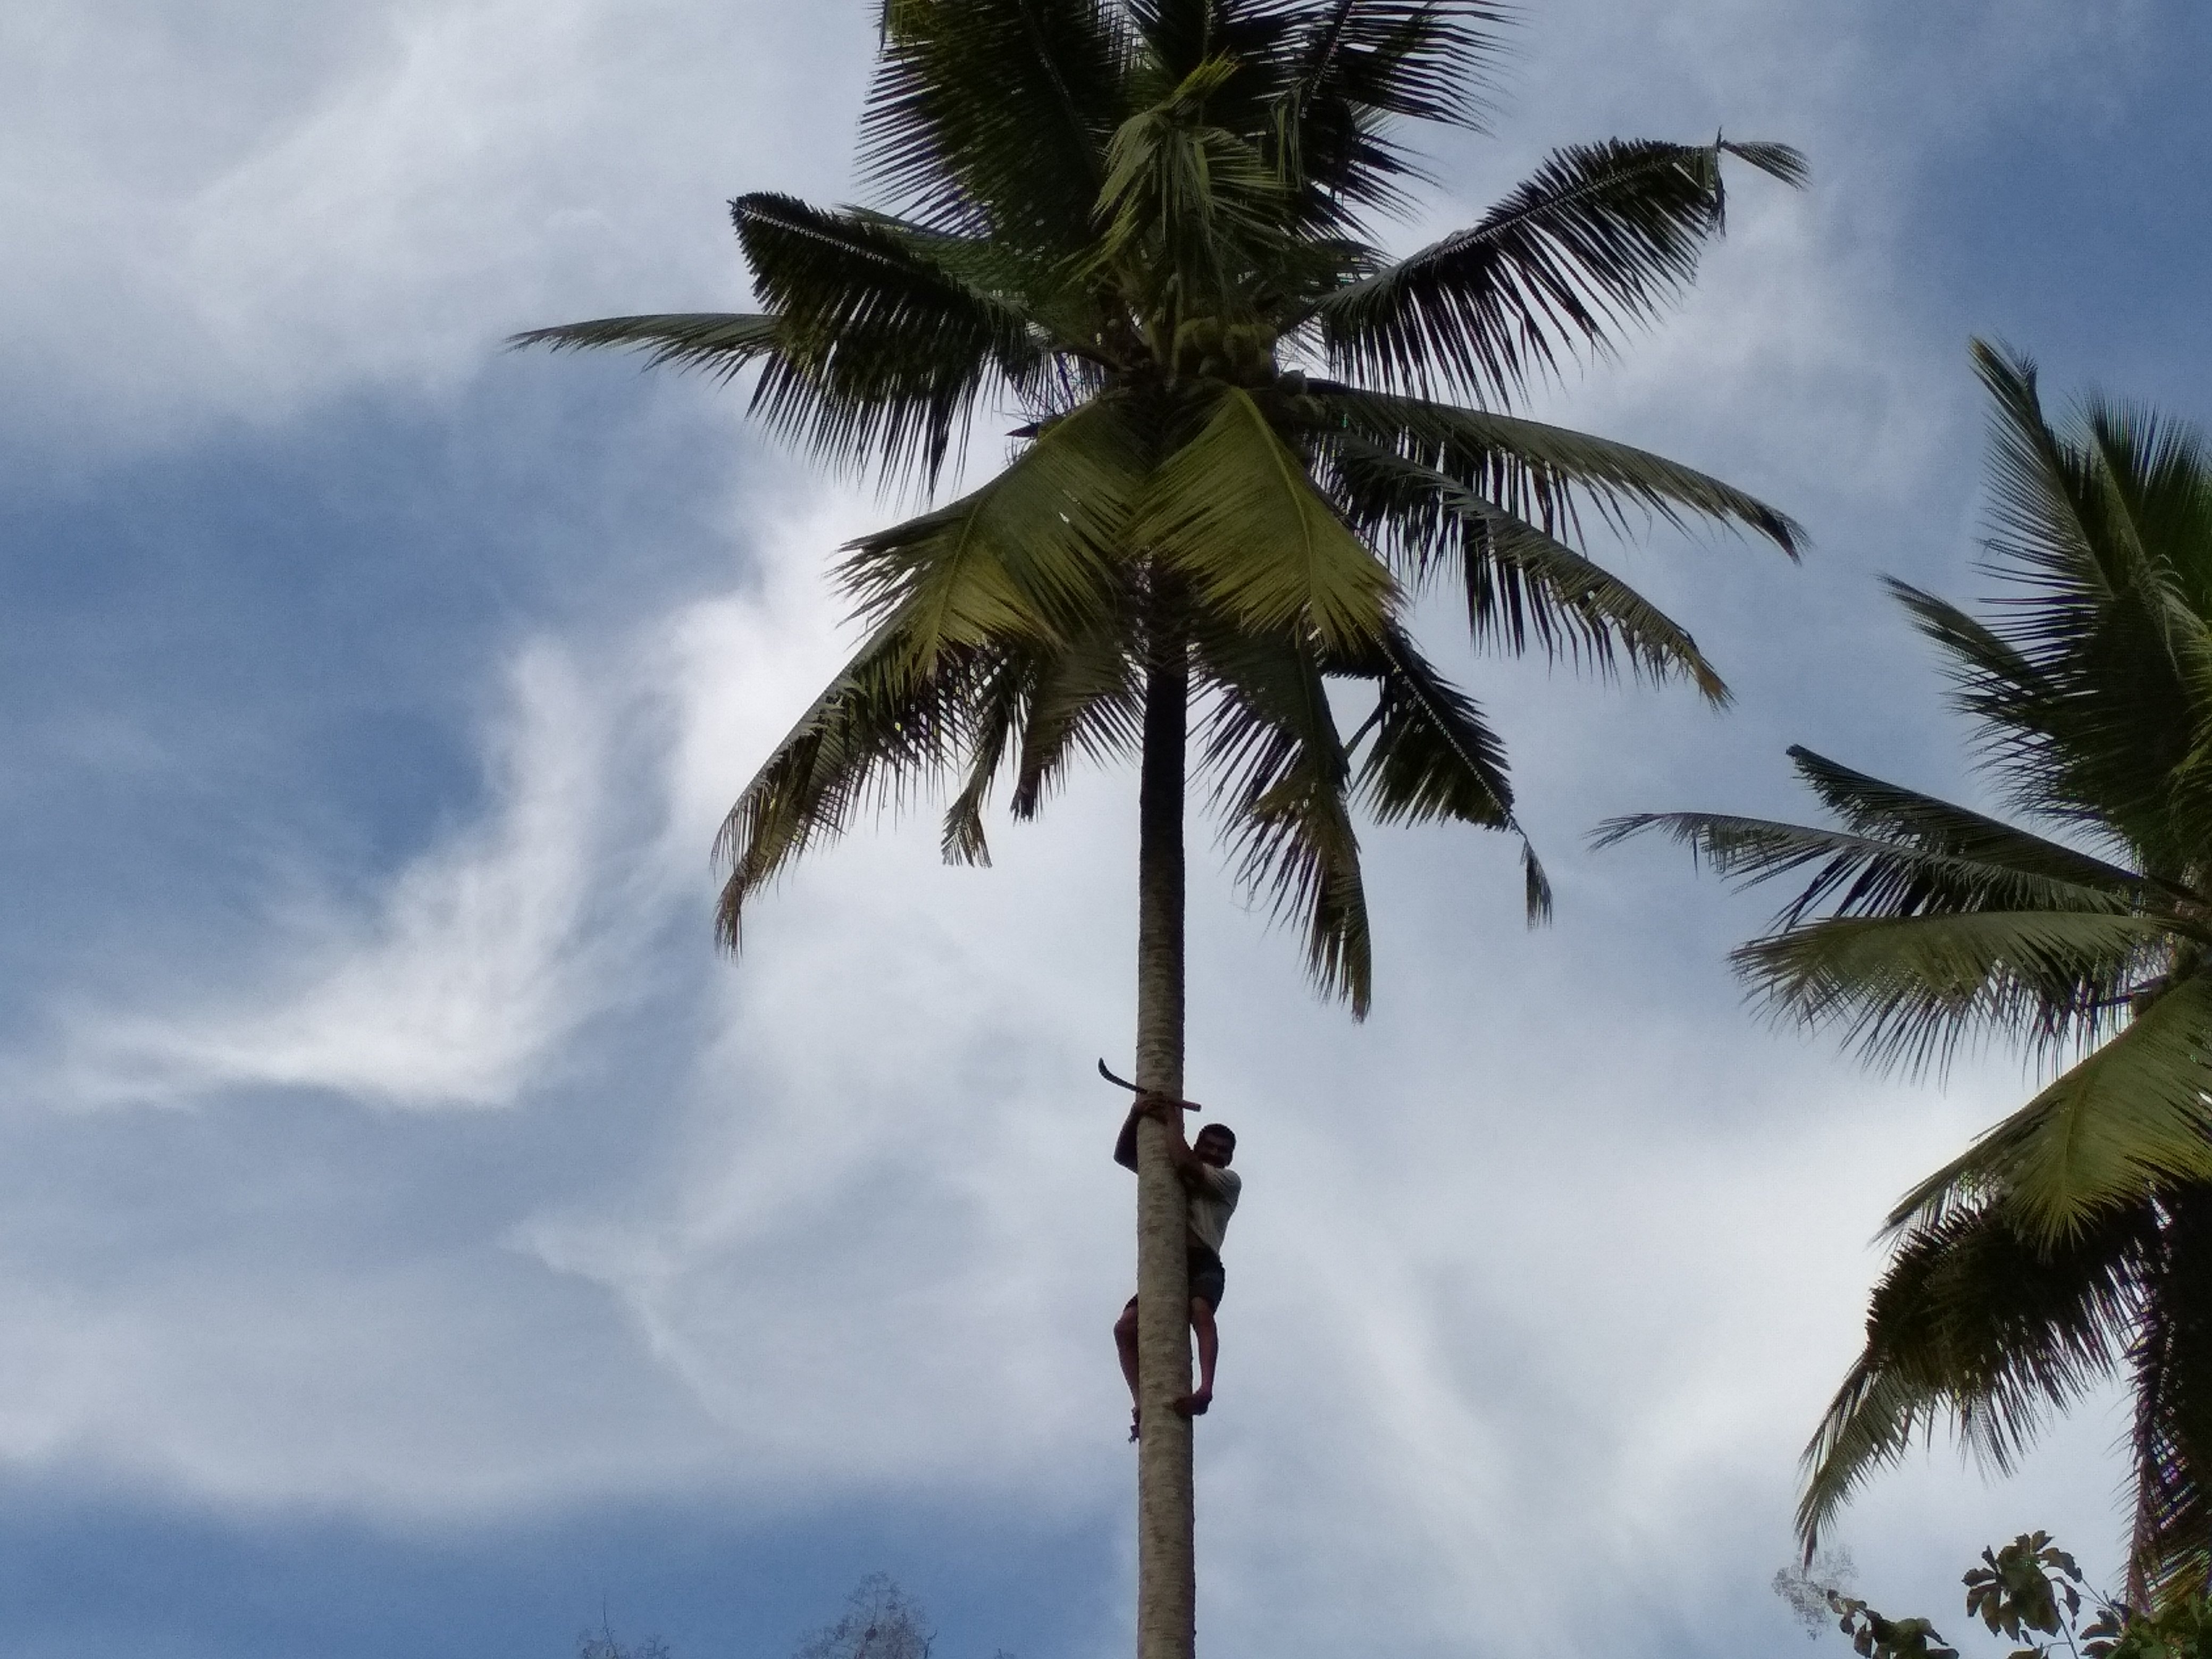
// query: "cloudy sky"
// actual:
[[419, 1241]]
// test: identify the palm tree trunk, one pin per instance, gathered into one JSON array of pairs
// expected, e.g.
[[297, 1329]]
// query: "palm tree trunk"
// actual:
[[1167, 1591]]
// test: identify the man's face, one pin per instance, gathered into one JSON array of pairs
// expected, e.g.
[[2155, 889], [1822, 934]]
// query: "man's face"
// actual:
[[1212, 1148]]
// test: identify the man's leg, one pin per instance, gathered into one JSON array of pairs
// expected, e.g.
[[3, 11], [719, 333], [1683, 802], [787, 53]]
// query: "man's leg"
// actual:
[[1209, 1350], [1125, 1339]]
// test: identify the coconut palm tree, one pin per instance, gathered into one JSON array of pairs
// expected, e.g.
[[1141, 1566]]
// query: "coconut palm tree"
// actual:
[[1250, 442], [2072, 1242]]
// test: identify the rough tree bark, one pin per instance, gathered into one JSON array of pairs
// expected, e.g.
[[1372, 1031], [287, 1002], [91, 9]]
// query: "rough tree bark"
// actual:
[[1167, 1591]]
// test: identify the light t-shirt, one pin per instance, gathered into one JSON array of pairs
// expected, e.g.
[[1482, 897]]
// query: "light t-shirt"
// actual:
[[1211, 1202]]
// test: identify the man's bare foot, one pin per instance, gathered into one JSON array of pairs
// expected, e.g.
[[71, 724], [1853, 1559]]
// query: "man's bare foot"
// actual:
[[1135, 1412], [1194, 1405]]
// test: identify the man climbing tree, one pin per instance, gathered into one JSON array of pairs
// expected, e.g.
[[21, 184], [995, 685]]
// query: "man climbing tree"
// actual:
[[1211, 1189]]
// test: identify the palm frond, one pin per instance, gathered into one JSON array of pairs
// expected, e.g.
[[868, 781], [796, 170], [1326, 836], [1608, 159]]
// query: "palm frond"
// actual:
[[1521, 585], [885, 349], [1281, 777], [2172, 1434], [1433, 755], [1031, 555], [1356, 66], [1978, 1323], [1088, 701], [2133, 1113], [1903, 855], [1548, 475], [1600, 238], [994, 717], [1234, 510], [876, 733], [991, 117], [722, 343], [1907, 990], [1195, 204]]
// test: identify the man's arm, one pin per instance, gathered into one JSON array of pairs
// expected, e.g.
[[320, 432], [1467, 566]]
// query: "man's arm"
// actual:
[[1125, 1145], [1169, 1112]]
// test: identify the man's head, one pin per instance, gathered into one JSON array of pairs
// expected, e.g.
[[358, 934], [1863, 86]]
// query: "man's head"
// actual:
[[1216, 1143]]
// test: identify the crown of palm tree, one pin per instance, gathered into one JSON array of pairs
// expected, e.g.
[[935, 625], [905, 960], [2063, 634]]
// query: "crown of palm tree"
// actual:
[[1145, 225], [2073, 1239]]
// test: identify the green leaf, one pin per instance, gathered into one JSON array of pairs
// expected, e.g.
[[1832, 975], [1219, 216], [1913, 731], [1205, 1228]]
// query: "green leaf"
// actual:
[[1601, 237], [1546, 475], [1281, 778], [990, 117], [722, 343], [886, 351], [1977, 1323], [2134, 1112], [1520, 583], [1031, 555], [1234, 510], [1906, 990]]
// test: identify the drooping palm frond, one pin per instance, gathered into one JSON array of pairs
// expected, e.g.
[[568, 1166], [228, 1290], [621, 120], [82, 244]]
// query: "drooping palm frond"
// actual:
[[1906, 991], [1975, 1322], [1600, 238], [876, 733], [1281, 774], [1088, 702], [1522, 585], [1548, 475], [1433, 755]]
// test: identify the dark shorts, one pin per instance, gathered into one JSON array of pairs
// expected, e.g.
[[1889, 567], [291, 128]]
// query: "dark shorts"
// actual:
[[1207, 1278]]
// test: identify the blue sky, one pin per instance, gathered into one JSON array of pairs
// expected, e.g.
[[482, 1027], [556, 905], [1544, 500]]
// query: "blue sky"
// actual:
[[419, 1238]]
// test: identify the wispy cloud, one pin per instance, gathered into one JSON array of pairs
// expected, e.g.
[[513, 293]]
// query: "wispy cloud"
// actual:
[[458, 984]]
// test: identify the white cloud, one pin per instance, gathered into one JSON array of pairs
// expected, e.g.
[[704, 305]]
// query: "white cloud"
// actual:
[[470, 971], [1543, 1275]]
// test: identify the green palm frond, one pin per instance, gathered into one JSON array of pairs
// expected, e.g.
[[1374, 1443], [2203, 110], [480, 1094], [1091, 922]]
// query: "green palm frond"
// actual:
[[1863, 876], [1978, 1323], [722, 343], [1236, 512], [991, 117], [995, 718], [1433, 755], [1522, 585], [2132, 1113], [1358, 64], [1906, 990], [1873, 807], [1031, 555], [876, 733], [1600, 238], [1199, 202], [1088, 702], [1281, 780], [1548, 475], [886, 351], [2100, 687]]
